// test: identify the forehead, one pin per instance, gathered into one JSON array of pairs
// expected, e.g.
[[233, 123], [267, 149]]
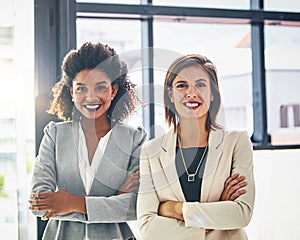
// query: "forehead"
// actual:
[[192, 74], [91, 75]]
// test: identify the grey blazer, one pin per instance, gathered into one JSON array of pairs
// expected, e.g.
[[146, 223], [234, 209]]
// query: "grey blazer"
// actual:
[[57, 168]]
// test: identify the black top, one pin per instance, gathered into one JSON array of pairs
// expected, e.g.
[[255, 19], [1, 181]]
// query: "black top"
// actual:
[[192, 157]]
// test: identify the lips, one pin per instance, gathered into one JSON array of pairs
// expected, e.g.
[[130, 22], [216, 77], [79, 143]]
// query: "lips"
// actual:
[[92, 107], [192, 105]]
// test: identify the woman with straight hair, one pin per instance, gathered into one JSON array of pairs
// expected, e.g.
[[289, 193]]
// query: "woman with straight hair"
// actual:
[[196, 181]]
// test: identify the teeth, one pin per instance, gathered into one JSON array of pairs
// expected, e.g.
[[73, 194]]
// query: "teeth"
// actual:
[[92, 106], [192, 104]]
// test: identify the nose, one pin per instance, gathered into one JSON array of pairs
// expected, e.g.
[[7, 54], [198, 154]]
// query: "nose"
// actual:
[[191, 92], [92, 95]]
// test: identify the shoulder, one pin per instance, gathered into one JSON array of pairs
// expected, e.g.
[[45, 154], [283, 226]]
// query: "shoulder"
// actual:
[[58, 125], [123, 127], [126, 133], [53, 127], [236, 134], [237, 138], [163, 141]]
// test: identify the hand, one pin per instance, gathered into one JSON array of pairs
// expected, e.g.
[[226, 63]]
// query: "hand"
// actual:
[[233, 188], [172, 209], [56, 203], [131, 183]]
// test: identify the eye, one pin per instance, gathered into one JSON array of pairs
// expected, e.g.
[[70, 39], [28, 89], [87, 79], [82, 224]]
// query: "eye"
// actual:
[[81, 89], [181, 85], [101, 88], [200, 84]]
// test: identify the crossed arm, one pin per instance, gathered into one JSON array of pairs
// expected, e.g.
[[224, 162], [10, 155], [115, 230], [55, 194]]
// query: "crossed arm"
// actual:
[[47, 203], [62, 202], [233, 188]]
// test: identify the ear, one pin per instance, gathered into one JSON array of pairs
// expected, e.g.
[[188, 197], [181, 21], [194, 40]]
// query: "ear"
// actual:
[[170, 94], [114, 91], [211, 97]]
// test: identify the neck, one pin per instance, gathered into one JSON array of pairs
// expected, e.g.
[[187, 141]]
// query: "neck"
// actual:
[[98, 127], [192, 133]]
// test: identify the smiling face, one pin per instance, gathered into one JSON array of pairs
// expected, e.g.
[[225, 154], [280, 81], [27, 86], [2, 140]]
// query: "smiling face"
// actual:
[[92, 93], [191, 93]]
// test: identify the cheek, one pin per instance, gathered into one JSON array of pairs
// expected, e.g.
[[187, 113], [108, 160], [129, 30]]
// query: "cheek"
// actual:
[[77, 97], [177, 96]]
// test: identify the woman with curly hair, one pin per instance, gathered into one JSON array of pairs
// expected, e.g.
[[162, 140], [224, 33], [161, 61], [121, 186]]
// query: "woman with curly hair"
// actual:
[[86, 177]]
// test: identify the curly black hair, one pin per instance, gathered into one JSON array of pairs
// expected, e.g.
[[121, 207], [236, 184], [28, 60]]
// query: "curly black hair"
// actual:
[[94, 56]]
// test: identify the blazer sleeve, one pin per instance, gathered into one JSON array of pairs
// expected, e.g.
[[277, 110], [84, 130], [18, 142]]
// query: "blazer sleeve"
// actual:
[[44, 178], [153, 226], [225, 215], [118, 208], [44, 174]]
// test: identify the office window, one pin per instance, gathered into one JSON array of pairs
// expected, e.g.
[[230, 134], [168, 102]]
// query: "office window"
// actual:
[[233, 4], [232, 58], [290, 116], [282, 53], [111, 1], [17, 146], [277, 5]]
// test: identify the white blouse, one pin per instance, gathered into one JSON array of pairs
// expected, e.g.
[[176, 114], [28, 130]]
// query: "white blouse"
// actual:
[[87, 170]]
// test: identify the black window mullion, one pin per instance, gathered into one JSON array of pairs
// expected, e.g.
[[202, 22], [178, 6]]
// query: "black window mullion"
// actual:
[[260, 135], [148, 75]]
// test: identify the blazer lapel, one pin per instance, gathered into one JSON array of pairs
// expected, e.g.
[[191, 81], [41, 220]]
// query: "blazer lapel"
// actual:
[[113, 161], [167, 159], [215, 143], [76, 181]]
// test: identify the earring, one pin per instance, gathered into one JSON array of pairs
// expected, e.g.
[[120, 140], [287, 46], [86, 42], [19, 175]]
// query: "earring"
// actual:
[[112, 98]]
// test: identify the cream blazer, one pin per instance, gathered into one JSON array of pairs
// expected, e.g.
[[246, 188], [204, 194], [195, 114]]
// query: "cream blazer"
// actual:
[[229, 153]]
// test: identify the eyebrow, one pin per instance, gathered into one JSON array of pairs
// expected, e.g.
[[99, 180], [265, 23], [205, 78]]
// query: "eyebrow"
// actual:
[[200, 80], [98, 83], [197, 80]]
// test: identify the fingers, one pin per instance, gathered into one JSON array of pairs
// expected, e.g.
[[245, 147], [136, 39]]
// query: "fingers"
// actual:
[[37, 202], [236, 185], [38, 205], [233, 187], [41, 194], [131, 183], [236, 194], [39, 208], [234, 180], [48, 215]]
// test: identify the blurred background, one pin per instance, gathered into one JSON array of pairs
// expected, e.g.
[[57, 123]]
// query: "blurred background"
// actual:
[[253, 43]]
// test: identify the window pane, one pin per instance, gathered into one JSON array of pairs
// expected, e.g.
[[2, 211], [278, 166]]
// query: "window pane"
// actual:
[[125, 37], [111, 1], [286, 5], [228, 48], [282, 81], [233, 4], [17, 147]]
